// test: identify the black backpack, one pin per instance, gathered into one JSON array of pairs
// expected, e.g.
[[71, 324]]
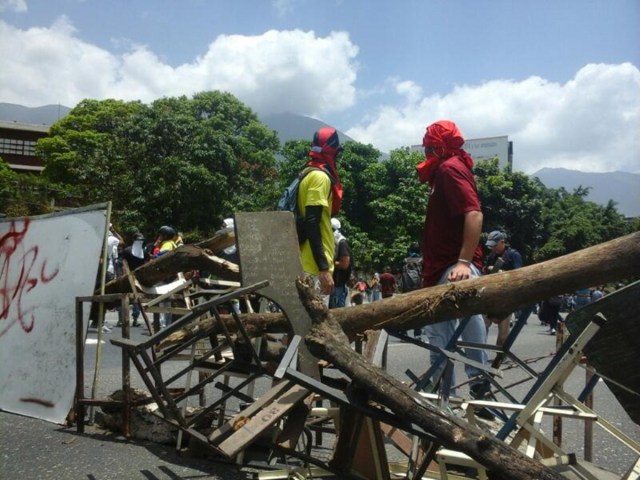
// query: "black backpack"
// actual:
[[411, 278], [288, 201]]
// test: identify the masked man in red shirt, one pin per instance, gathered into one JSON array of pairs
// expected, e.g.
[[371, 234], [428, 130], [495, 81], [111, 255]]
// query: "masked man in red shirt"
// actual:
[[451, 250]]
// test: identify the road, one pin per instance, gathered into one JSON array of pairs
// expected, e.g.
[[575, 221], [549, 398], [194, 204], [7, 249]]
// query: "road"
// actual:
[[31, 448]]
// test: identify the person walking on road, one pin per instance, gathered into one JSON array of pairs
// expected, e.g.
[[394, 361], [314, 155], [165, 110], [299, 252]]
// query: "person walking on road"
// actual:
[[501, 258], [451, 249]]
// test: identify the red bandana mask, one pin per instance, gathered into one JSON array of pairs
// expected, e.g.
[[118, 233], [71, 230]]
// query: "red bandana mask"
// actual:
[[325, 148], [442, 140]]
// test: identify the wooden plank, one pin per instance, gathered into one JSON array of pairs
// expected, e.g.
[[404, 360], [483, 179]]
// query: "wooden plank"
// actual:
[[295, 423], [268, 249], [370, 456], [217, 435], [248, 429]]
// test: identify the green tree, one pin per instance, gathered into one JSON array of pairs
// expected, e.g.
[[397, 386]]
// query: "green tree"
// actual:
[[572, 223], [180, 161], [22, 193], [398, 208], [191, 162], [511, 202]]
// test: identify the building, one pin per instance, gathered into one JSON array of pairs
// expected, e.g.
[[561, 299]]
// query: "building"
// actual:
[[18, 145]]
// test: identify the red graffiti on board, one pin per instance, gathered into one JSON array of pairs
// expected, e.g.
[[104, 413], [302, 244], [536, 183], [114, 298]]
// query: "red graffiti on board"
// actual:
[[21, 272]]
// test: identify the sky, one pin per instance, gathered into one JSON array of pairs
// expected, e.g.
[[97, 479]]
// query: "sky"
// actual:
[[560, 78]]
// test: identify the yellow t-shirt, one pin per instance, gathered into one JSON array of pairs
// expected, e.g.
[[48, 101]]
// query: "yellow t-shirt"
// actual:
[[167, 246], [315, 189]]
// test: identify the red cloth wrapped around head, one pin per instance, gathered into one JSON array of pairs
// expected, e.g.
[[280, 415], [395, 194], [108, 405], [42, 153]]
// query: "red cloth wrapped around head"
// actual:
[[442, 140], [325, 148]]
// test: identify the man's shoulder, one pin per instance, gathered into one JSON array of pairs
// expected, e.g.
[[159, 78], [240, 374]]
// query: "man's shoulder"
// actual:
[[513, 256], [513, 252], [343, 245], [316, 174], [454, 163], [453, 169]]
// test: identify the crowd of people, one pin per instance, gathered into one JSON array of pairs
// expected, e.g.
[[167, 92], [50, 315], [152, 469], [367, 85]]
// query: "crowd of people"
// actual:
[[449, 250], [135, 254]]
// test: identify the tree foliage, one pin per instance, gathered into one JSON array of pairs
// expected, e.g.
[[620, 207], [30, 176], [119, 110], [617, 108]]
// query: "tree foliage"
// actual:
[[544, 223], [190, 162], [23, 194], [179, 161]]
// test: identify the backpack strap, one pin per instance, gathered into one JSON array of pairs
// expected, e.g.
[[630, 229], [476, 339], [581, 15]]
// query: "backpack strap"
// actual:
[[308, 170]]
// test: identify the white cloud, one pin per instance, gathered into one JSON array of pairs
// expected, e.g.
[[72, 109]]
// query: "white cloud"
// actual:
[[283, 7], [410, 90], [19, 6], [276, 71], [591, 123]]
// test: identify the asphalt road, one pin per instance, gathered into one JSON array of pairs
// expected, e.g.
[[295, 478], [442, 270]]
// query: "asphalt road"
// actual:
[[34, 449]]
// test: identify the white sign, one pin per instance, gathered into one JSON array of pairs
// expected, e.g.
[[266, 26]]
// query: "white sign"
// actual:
[[45, 263], [487, 148]]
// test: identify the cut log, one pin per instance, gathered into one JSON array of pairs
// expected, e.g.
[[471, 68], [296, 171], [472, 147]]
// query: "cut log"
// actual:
[[327, 340], [222, 239], [494, 294], [503, 292], [183, 259]]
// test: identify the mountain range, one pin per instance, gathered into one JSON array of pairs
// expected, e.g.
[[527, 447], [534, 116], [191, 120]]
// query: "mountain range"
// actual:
[[621, 187]]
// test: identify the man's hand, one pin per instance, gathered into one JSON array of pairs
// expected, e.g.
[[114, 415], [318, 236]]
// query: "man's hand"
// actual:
[[461, 271], [326, 282]]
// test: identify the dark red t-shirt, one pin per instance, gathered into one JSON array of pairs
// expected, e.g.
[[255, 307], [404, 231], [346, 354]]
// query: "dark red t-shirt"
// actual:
[[453, 194], [387, 284]]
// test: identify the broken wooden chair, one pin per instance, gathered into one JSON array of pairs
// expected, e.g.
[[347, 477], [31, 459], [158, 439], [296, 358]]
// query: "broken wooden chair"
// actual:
[[589, 327], [162, 387]]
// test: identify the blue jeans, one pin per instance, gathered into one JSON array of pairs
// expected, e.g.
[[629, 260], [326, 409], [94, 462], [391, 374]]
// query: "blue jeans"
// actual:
[[339, 297], [135, 311], [582, 301], [440, 334]]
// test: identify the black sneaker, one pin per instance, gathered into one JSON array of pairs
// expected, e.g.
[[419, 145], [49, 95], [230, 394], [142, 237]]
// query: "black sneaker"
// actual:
[[480, 390], [485, 414]]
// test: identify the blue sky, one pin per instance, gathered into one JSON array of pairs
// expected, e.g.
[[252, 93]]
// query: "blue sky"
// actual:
[[560, 78]]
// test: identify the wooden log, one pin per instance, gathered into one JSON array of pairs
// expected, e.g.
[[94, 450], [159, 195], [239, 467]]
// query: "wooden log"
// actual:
[[183, 259], [327, 340], [222, 239], [503, 292], [494, 294]]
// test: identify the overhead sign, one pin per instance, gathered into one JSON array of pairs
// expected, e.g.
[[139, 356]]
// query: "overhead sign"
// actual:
[[45, 263], [485, 149], [488, 148]]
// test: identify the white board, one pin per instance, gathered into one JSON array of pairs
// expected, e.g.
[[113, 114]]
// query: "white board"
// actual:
[[45, 263]]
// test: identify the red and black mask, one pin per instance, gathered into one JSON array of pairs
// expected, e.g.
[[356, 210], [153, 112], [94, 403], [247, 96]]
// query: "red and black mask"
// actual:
[[326, 141], [442, 140], [324, 150]]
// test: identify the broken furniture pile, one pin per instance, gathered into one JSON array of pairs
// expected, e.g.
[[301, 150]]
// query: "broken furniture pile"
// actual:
[[367, 408]]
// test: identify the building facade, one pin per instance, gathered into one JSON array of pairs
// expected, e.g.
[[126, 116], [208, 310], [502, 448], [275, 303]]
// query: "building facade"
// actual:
[[18, 145]]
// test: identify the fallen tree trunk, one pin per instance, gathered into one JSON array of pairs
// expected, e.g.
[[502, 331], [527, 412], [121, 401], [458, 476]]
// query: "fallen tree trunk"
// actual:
[[326, 340], [503, 292], [221, 240], [183, 259], [494, 294]]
